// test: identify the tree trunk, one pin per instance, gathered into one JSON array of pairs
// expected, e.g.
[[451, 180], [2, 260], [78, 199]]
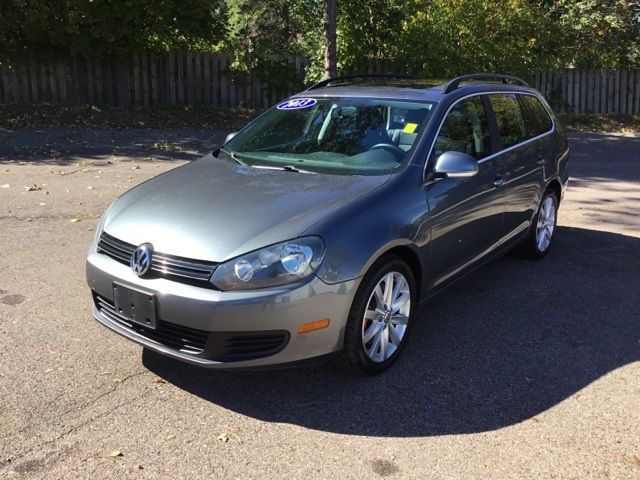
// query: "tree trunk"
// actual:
[[330, 57]]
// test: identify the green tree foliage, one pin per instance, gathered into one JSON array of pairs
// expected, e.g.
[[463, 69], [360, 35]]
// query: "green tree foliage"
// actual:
[[99, 27], [261, 35], [422, 37], [599, 33], [455, 36], [370, 29]]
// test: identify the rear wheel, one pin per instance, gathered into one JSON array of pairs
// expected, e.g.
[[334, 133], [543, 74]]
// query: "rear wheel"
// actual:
[[380, 318], [541, 232]]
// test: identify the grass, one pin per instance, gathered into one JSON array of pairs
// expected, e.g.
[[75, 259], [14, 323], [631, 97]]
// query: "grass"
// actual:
[[86, 116]]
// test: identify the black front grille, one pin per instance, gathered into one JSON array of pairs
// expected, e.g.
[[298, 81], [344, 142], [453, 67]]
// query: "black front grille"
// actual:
[[177, 337], [180, 269]]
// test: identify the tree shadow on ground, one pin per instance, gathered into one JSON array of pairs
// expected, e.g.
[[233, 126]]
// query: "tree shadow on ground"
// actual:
[[64, 146], [503, 345], [597, 157]]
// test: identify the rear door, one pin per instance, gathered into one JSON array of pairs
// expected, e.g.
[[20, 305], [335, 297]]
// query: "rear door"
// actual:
[[466, 213], [521, 161]]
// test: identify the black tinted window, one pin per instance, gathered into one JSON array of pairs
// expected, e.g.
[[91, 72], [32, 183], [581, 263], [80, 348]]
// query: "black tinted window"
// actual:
[[537, 119], [465, 130], [511, 126]]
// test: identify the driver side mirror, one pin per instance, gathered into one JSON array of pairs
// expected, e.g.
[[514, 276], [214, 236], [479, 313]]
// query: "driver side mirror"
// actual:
[[229, 137], [453, 164]]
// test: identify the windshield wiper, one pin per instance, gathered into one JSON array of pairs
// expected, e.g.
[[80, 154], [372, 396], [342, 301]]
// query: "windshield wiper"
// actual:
[[285, 168], [233, 157]]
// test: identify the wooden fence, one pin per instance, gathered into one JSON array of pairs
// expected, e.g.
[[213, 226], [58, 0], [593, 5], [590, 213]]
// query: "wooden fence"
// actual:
[[206, 80], [173, 78], [591, 91]]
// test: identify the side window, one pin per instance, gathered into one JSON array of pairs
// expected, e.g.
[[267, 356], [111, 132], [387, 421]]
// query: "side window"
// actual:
[[465, 130], [537, 119], [511, 126]]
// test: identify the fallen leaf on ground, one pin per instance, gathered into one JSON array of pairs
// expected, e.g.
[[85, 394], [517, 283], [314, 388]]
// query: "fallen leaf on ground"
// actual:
[[160, 381], [74, 220], [42, 204], [6, 185], [105, 373], [116, 453], [33, 188], [170, 437], [223, 437], [117, 380], [135, 167], [90, 187]]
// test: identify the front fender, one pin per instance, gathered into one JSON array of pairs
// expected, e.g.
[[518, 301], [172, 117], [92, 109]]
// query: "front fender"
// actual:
[[356, 235]]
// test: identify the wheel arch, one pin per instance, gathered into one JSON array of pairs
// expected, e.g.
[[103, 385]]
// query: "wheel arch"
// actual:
[[409, 254], [555, 186]]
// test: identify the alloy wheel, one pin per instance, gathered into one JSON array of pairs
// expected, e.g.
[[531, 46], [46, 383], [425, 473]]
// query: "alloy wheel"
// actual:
[[386, 317], [546, 223]]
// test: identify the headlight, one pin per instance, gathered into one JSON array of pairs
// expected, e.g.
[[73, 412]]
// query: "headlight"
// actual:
[[278, 264]]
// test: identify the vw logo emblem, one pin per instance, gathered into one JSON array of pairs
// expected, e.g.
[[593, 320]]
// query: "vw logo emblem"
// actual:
[[141, 259]]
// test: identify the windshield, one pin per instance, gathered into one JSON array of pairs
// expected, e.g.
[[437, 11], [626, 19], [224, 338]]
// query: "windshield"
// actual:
[[353, 136]]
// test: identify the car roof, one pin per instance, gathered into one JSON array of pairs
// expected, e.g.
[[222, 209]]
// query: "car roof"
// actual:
[[411, 89]]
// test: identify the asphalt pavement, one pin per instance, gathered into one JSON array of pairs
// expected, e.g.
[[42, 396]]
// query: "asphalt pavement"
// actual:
[[523, 370]]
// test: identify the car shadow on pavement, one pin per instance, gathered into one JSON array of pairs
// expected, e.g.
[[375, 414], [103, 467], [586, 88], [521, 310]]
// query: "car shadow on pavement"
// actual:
[[503, 345]]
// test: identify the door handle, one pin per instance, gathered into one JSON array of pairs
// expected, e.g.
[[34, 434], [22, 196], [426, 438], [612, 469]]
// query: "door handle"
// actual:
[[498, 181]]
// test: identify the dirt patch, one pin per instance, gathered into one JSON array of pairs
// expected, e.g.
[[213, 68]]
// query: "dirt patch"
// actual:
[[13, 299], [625, 124]]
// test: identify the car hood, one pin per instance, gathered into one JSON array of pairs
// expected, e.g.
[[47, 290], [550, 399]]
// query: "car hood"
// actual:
[[214, 209]]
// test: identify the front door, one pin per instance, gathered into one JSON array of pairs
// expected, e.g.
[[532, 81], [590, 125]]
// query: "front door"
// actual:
[[466, 213]]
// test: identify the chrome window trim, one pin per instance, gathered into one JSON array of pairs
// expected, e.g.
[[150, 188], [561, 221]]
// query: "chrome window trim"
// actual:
[[500, 152]]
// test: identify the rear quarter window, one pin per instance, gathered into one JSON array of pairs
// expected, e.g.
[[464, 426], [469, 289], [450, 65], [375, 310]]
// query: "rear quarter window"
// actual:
[[537, 119], [511, 126]]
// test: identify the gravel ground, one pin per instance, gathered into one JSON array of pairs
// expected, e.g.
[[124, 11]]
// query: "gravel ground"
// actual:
[[524, 370]]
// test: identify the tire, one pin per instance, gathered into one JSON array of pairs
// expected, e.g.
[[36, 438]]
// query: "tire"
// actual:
[[532, 247], [359, 354]]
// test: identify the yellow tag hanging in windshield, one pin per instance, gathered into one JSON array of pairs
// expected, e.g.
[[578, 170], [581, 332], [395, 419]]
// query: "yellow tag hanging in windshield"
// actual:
[[410, 128]]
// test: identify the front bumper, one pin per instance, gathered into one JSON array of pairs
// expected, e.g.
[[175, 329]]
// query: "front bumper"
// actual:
[[219, 314]]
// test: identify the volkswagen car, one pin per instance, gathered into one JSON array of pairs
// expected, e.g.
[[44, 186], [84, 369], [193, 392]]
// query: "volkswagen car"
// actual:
[[317, 230]]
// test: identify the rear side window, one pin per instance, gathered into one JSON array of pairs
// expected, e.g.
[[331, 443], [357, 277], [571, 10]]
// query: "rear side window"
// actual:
[[465, 129], [511, 127], [536, 118]]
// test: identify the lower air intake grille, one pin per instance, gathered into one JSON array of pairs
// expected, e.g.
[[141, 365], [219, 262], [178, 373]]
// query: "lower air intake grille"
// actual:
[[216, 346], [249, 345], [177, 337]]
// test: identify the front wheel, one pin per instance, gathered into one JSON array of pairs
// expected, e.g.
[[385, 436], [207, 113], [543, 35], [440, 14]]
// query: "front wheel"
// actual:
[[380, 318], [541, 233]]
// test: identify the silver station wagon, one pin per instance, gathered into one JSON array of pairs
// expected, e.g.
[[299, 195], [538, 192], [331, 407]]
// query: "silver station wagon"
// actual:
[[317, 229]]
